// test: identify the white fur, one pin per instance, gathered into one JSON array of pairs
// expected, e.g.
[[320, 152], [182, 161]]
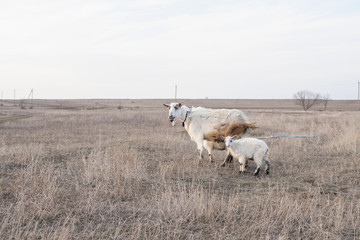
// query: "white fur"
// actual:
[[251, 148], [203, 120]]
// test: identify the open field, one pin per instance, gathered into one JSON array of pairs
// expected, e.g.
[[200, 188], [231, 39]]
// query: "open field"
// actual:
[[116, 169]]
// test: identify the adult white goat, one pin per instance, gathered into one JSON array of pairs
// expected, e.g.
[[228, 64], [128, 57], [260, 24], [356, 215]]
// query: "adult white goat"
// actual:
[[251, 148], [198, 121]]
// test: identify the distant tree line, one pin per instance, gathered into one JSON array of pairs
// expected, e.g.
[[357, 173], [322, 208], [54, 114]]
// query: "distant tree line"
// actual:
[[306, 99]]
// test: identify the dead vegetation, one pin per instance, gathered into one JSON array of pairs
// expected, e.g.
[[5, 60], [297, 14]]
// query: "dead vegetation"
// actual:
[[13, 117], [110, 174]]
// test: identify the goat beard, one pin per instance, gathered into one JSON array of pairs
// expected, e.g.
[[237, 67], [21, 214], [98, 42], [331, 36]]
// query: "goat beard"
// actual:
[[173, 123]]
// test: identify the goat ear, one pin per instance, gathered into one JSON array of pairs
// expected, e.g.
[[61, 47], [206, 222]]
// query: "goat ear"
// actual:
[[179, 104], [166, 105]]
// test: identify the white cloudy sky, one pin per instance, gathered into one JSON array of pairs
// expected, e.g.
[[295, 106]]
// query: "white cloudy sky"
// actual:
[[209, 48]]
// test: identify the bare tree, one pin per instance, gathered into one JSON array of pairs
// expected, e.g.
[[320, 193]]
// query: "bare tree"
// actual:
[[307, 99], [326, 99]]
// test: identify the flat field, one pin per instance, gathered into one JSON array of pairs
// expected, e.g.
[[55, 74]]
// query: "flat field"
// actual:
[[117, 169]]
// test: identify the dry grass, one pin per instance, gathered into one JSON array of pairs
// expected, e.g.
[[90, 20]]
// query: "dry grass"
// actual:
[[127, 174]]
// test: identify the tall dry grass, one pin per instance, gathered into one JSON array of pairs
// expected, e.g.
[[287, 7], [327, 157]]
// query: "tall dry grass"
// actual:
[[127, 174]]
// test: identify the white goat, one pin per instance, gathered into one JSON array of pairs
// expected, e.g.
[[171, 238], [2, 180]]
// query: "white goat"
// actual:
[[214, 140], [198, 121], [250, 148]]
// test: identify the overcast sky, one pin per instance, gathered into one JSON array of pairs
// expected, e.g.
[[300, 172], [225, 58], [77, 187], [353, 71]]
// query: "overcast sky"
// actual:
[[215, 49]]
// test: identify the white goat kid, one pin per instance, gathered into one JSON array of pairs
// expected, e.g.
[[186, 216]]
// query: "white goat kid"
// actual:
[[251, 148], [198, 121]]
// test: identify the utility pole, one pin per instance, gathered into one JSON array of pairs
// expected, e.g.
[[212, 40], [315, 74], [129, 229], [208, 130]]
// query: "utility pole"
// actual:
[[31, 95], [358, 90], [175, 92]]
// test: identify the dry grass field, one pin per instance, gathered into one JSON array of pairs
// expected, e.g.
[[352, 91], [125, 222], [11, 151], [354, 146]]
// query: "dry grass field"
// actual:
[[117, 169]]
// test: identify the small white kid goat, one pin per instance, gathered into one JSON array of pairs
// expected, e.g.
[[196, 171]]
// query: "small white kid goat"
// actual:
[[249, 148]]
